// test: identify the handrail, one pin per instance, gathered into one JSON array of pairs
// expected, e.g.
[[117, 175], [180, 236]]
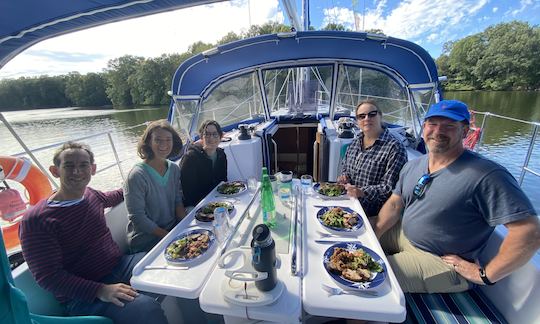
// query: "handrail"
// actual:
[[46, 147], [488, 114], [27, 150], [297, 194], [525, 166], [228, 241], [30, 152]]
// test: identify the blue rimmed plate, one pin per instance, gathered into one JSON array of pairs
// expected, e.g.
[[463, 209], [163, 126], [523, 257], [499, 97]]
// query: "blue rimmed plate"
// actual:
[[232, 188], [176, 250], [330, 190], [376, 278], [341, 229], [206, 212]]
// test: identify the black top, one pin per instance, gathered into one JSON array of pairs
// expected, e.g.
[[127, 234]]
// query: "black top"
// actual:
[[198, 175]]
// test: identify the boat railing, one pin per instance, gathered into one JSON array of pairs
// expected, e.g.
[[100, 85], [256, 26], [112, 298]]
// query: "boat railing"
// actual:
[[525, 167], [30, 152]]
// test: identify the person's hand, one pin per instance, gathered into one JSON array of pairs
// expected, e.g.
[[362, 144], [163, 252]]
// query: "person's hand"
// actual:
[[353, 191], [466, 269], [343, 179], [115, 293]]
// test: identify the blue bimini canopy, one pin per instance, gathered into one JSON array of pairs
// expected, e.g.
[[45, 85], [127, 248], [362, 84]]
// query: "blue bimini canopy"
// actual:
[[404, 61], [24, 23]]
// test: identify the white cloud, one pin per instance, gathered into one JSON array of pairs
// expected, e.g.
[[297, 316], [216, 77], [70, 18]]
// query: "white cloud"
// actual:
[[416, 20], [432, 37], [337, 15], [150, 36], [495, 9], [522, 6]]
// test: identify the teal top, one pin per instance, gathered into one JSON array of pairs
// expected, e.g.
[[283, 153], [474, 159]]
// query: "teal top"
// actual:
[[151, 201]]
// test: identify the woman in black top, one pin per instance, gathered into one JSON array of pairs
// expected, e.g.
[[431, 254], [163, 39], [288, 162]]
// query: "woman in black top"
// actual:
[[204, 165]]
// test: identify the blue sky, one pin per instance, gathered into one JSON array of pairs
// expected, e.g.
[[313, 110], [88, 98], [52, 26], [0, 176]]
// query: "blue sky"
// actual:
[[428, 23]]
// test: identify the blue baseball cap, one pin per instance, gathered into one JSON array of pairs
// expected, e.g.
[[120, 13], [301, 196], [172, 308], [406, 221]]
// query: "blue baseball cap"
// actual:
[[452, 109]]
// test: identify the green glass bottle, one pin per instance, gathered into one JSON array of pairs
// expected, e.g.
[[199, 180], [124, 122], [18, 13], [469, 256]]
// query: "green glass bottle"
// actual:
[[264, 172], [267, 202]]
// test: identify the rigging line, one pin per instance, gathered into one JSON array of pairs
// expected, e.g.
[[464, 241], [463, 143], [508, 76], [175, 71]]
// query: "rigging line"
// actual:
[[317, 74]]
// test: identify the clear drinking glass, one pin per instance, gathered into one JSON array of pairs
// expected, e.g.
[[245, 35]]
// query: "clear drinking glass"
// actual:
[[306, 180], [252, 183]]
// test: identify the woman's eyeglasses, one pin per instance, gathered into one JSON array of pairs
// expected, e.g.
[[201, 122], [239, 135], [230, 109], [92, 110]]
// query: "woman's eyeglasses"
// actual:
[[421, 186], [370, 114], [209, 135]]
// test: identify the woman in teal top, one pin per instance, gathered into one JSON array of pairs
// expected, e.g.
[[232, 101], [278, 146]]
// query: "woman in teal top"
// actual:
[[153, 191]]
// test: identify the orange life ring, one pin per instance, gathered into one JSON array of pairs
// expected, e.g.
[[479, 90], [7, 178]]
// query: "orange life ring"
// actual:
[[34, 181], [23, 171]]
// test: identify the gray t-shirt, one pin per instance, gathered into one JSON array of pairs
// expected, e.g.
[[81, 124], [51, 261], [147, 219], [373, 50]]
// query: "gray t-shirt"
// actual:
[[461, 206], [151, 200]]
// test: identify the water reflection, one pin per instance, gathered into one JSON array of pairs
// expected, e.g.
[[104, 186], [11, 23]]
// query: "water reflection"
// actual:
[[41, 127], [507, 141], [504, 141]]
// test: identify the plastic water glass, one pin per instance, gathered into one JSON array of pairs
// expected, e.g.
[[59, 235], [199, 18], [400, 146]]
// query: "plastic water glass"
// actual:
[[306, 180], [252, 183], [285, 193], [221, 224]]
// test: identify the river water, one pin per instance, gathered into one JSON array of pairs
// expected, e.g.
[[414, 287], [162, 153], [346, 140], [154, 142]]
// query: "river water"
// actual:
[[504, 141]]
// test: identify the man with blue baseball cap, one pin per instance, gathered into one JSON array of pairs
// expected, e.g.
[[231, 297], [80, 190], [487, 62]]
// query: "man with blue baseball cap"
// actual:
[[445, 206], [452, 109]]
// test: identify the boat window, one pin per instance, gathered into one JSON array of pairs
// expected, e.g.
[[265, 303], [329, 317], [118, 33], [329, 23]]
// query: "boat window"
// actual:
[[294, 90], [233, 101], [182, 115], [424, 98], [358, 83]]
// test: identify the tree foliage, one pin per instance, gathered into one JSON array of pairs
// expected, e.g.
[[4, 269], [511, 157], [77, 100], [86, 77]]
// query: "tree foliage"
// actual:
[[127, 80], [86, 90], [503, 57]]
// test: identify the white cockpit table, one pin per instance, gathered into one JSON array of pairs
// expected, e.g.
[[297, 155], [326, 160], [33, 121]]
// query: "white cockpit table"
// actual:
[[186, 283], [388, 306], [287, 307]]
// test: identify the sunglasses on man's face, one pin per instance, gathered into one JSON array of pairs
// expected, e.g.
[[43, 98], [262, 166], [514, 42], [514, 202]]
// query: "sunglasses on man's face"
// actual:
[[421, 186], [370, 114]]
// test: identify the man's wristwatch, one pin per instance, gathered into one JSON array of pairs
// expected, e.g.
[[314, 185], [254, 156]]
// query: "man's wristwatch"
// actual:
[[484, 277]]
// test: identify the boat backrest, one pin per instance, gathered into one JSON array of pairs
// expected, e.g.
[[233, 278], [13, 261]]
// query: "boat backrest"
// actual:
[[43, 302], [117, 221], [517, 296]]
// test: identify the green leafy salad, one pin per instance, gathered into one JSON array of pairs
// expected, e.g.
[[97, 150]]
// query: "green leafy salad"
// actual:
[[231, 188], [206, 213], [331, 189], [337, 217]]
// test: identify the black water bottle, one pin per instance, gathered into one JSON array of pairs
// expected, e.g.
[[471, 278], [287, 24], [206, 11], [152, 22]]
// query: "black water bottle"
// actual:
[[263, 249]]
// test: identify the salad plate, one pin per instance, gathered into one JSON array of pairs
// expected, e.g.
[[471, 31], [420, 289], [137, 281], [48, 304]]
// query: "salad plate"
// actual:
[[349, 257], [340, 219], [232, 188], [206, 212], [330, 190], [190, 247]]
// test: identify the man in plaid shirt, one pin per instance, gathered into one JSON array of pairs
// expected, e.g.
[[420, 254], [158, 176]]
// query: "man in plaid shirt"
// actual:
[[373, 160]]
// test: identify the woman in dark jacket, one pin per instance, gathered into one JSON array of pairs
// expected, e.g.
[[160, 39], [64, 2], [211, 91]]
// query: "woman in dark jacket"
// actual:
[[204, 165]]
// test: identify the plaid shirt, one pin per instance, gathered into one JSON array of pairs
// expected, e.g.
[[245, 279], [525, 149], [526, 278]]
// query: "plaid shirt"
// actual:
[[375, 170]]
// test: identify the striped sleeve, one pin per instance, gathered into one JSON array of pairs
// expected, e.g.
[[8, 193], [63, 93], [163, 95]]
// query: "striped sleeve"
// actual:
[[42, 252], [110, 198]]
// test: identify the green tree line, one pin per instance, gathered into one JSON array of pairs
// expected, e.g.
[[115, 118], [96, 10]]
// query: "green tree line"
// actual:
[[503, 57], [127, 80]]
